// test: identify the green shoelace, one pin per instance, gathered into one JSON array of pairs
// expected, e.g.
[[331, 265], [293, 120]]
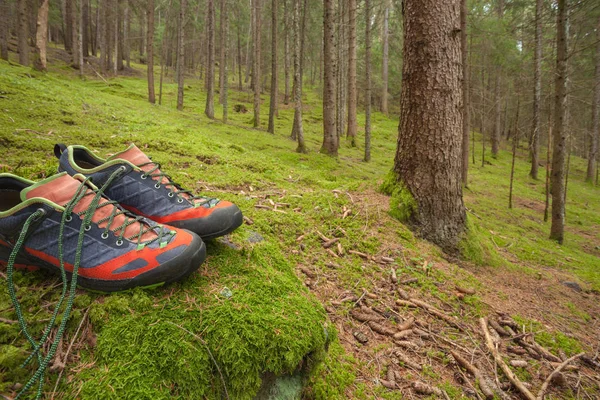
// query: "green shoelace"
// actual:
[[175, 188], [68, 291]]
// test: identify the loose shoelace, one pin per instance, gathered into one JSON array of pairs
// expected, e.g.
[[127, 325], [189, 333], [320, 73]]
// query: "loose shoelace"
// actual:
[[175, 188], [82, 191]]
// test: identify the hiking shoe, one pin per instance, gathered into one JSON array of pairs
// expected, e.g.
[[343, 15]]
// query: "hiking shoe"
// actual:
[[143, 189], [65, 220]]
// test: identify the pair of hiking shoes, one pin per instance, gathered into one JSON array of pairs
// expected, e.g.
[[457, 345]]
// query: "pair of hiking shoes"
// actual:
[[112, 224]]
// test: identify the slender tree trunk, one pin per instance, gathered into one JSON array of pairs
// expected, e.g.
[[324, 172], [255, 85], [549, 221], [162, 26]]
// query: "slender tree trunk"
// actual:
[[537, 90], [497, 133], [126, 34], [68, 20], [210, 70], [352, 93], [297, 80], [150, 50], [330, 138], [385, 61], [222, 11], [23, 45], [256, 73], [428, 161], [560, 136], [239, 55], [75, 22], [143, 30], [286, 51], [4, 29], [547, 204], [514, 156], [180, 53], [117, 54], [465, 91], [368, 79], [84, 27], [248, 42], [40, 38], [163, 51], [274, 88], [80, 26], [595, 134], [226, 80], [340, 97]]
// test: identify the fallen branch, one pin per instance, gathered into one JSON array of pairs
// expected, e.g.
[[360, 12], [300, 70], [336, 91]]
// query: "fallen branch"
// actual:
[[438, 313], [484, 383], [544, 387], [358, 253], [407, 361], [381, 329], [330, 243], [507, 371]]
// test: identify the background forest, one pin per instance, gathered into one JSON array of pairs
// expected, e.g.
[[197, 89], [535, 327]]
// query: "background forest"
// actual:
[[290, 109]]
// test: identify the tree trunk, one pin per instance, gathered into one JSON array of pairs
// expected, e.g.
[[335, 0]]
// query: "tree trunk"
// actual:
[[75, 22], [368, 79], [547, 204], [297, 80], [180, 53], [514, 156], [330, 138], [40, 38], [225, 71], [80, 26], [210, 70], [497, 133], [595, 134], [286, 51], [385, 61], [428, 160], [274, 88], [143, 44], [239, 55], [4, 29], [222, 11], [68, 17], [340, 95], [352, 95], [84, 27], [560, 132], [150, 49], [466, 104], [126, 35], [256, 73], [537, 91], [23, 45]]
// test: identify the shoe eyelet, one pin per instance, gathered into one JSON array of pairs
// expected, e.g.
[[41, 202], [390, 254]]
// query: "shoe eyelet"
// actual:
[[123, 168], [68, 218], [170, 194], [87, 228], [104, 235], [180, 200], [119, 243], [157, 186], [144, 176]]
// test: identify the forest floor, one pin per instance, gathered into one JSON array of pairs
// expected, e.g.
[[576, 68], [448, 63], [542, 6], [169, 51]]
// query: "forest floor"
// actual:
[[320, 263]]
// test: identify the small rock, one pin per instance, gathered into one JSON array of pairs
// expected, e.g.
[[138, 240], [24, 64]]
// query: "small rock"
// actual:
[[227, 242], [573, 285], [226, 292], [255, 237], [361, 337]]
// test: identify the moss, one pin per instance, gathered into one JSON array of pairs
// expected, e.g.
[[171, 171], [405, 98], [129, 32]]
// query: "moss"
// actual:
[[402, 203], [553, 341]]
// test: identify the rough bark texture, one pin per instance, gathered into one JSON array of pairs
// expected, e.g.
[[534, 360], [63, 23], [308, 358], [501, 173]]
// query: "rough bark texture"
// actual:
[[560, 132], [4, 33], [297, 81], [465, 91], [330, 137], [274, 89], [385, 60], [537, 91], [222, 12], [595, 134], [352, 95], [286, 51], [225, 68], [41, 36], [428, 156], [256, 73], [209, 110], [180, 53], [75, 22], [80, 26], [68, 20], [497, 132], [23, 46], [84, 22], [150, 49], [368, 80]]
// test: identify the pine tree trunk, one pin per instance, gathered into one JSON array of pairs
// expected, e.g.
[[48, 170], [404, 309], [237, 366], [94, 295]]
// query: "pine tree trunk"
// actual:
[[537, 91], [41, 37], [209, 110], [225, 70], [330, 138], [497, 133], [466, 103], [75, 22], [126, 34], [385, 61], [222, 11], [595, 134], [286, 51], [23, 45], [4, 29], [80, 27], [256, 73], [274, 88], [180, 53], [352, 93], [514, 156], [428, 160], [84, 27], [68, 18], [150, 50], [143, 34], [368, 79], [297, 80], [560, 132], [239, 55]]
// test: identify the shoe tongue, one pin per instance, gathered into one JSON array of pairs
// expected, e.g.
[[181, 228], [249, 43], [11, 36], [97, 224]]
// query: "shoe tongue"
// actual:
[[61, 189], [134, 155]]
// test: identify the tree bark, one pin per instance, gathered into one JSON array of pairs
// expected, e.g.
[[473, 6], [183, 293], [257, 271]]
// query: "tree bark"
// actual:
[[150, 50], [256, 73], [84, 27], [297, 80], [537, 91], [466, 104], [330, 137], [23, 45], [595, 134], [4, 29], [180, 53], [428, 159], [560, 132], [274, 88], [497, 133], [368, 79], [239, 56], [209, 110], [80, 27], [225, 70], [41, 36], [352, 95], [222, 11], [286, 51], [126, 34], [385, 60], [76, 42], [68, 18]]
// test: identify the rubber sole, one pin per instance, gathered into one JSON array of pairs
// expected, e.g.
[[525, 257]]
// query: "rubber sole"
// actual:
[[173, 270], [211, 223]]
